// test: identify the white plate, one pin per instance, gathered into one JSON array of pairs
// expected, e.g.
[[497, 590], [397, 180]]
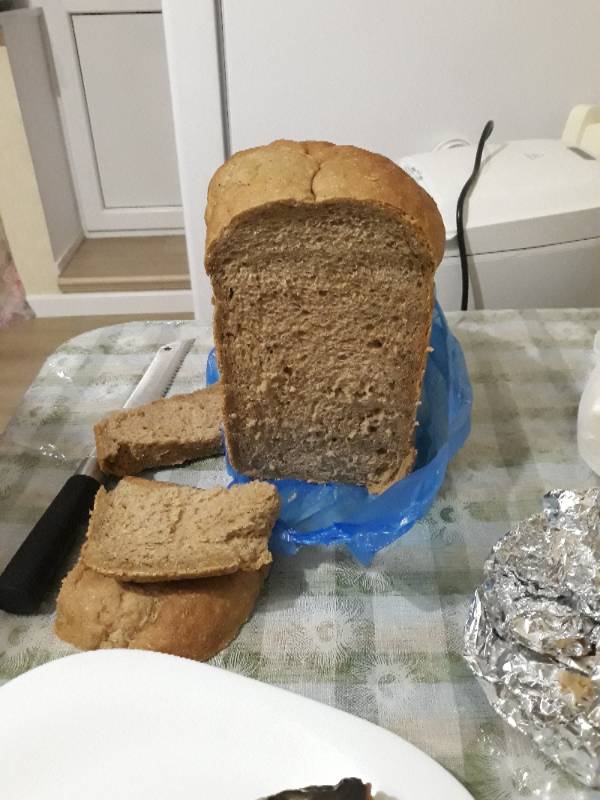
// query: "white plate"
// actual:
[[131, 724]]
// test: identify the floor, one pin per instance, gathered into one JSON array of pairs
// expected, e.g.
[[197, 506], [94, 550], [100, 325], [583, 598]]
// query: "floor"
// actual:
[[127, 263], [25, 345]]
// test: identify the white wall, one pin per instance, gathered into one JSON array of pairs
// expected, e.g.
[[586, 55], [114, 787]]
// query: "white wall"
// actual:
[[193, 59], [20, 202], [33, 78], [399, 77]]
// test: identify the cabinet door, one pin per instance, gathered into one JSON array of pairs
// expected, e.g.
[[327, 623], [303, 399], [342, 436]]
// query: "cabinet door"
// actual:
[[124, 70], [115, 104]]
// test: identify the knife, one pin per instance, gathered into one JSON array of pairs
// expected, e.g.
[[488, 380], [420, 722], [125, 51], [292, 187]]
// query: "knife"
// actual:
[[30, 572]]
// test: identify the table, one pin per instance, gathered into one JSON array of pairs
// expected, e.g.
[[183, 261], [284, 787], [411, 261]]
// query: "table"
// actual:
[[382, 642], [25, 345]]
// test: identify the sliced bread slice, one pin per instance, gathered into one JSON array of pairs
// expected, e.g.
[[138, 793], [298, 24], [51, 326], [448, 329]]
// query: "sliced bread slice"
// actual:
[[194, 619], [153, 531], [160, 434]]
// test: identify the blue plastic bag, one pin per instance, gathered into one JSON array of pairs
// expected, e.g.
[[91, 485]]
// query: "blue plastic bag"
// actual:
[[313, 513]]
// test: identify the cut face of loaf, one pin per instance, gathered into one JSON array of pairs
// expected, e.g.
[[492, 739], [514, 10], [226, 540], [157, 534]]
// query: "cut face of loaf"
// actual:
[[147, 531], [323, 279], [166, 432]]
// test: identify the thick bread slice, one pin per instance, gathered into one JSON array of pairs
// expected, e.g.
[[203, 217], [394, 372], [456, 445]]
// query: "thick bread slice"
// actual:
[[193, 619], [162, 433], [322, 262], [153, 531]]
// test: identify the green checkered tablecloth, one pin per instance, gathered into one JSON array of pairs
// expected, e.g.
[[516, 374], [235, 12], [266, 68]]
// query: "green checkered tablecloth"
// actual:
[[382, 642]]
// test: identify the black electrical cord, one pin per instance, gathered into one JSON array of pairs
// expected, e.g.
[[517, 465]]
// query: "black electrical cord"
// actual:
[[460, 231]]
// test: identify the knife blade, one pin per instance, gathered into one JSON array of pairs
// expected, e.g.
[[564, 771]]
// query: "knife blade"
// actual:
[[30, 572]]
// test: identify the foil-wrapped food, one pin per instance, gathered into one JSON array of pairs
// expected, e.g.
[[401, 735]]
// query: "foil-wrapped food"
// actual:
[[533, 628]]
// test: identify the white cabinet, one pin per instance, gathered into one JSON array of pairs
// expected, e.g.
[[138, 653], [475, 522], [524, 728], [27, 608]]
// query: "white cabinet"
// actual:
[[396, 77], [116, 110], [401, 77]]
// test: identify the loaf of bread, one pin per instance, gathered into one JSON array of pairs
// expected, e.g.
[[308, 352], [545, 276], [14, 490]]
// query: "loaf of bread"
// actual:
[[193, 619], [322, 262], [161, 434], [155, 531]]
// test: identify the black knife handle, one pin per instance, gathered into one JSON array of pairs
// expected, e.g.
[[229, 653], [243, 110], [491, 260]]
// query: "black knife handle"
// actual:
[[30, 572]]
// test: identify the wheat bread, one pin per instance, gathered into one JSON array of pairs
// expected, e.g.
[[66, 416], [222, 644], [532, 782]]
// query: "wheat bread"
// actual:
[[146, 530], [160, 434], [194, 619], [322, 262]]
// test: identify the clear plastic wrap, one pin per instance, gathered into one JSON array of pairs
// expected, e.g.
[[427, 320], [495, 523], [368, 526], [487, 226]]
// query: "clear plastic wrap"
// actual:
[[588, 417], [324, 514]]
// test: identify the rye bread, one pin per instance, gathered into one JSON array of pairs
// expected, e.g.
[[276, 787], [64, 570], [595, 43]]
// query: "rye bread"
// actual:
[[194, 619], [160, 434], [148, 531], [322, 262]]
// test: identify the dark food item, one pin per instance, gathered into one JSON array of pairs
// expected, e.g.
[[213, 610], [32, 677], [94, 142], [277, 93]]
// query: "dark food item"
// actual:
[[347, 789]]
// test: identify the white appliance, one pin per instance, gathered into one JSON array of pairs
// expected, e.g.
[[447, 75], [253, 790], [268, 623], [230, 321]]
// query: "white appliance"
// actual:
[[532, 220]]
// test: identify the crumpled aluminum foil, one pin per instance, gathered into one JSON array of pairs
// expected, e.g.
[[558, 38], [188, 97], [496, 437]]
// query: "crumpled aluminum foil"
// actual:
[[533, 629]]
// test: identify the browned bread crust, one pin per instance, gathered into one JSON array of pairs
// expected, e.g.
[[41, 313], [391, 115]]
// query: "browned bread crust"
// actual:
[[322, 262], [193, 619], [160, 434], [317, 172]]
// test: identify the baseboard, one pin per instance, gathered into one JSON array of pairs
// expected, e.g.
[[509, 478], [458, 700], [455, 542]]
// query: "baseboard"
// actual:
[[64, 259], [124, 283], [135, 232], [87, 304]]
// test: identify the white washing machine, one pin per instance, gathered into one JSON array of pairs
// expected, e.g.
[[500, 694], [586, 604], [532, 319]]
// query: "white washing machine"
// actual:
[[532, 221]]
